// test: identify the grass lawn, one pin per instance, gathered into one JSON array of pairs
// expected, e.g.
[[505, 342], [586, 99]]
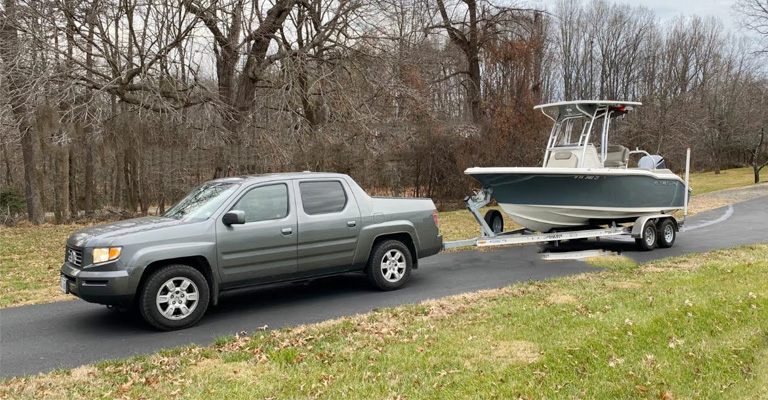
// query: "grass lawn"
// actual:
[[688, 327], [705, 182], [30, 256]]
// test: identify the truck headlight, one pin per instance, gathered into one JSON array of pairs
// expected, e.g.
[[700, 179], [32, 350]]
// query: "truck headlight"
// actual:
[[104, 254]]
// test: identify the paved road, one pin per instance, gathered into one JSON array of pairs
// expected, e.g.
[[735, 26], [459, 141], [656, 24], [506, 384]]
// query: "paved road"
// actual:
[[68, 334]]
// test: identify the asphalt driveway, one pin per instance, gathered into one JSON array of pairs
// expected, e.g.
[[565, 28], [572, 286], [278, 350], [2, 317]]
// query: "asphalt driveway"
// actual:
[[41, 338]]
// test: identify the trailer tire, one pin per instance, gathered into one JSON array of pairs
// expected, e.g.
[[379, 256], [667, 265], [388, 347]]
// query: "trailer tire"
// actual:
[[390, 264], [494, 220], [667, 234], [650, 237]]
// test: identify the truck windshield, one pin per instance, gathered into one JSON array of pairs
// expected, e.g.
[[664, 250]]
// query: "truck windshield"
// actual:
[[201, 202]]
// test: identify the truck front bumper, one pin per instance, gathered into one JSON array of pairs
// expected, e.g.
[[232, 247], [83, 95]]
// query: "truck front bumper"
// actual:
[[102, 287]]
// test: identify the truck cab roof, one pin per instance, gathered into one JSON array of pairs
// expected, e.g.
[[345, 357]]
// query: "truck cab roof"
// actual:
[[279, 175]]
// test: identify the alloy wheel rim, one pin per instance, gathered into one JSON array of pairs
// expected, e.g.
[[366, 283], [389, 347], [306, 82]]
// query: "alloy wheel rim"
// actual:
[[393, 265], [177, 298]]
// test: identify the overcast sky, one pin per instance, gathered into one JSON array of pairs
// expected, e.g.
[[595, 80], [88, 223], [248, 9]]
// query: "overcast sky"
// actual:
[[667, 9]]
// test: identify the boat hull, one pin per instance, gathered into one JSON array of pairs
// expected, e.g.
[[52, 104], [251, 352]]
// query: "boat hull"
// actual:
[[544, 199]]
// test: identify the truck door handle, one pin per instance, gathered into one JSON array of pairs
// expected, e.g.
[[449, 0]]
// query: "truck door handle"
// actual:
[[286, 231], [351, 224]]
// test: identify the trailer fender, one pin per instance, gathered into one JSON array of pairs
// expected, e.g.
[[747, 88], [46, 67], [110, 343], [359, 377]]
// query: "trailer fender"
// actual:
[[637, 227]]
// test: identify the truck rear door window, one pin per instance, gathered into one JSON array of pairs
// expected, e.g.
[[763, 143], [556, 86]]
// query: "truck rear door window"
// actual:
[[323, 197], [264, 203]]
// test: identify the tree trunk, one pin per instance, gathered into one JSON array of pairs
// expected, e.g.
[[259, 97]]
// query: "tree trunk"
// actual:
[[715, 160], [117, 194], [8, 174], [129, 171], [757, 172], [72, 181], [16, 79], [469, 45], [29, 151], [89, 183], [255, 61], [61, 185], [473, 58], [88, 176]]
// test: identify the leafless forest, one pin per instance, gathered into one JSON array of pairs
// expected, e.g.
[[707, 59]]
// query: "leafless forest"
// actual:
[[122, 106]]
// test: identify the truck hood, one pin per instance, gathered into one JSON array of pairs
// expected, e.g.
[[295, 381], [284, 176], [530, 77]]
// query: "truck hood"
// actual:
[[114, 230]]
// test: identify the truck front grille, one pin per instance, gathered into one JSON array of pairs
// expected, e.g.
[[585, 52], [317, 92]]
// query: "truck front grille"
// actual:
[[74, 257]]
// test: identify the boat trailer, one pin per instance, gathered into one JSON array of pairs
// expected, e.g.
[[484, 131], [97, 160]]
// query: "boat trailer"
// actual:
[[649, 231]]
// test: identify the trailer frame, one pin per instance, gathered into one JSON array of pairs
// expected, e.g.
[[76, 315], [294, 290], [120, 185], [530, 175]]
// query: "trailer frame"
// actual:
[[489, 238]]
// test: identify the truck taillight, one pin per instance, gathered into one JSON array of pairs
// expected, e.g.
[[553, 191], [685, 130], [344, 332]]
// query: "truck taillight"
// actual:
[[434, 215]]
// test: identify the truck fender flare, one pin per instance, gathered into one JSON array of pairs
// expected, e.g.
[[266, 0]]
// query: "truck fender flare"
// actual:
[[170, 253], [371, 234]]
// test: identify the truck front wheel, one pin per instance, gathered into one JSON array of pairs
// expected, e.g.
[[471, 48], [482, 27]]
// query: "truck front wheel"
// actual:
[[390, 264], [174, 297]]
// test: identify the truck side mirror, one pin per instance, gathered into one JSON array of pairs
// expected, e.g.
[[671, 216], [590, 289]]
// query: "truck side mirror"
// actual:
[[234, 217]]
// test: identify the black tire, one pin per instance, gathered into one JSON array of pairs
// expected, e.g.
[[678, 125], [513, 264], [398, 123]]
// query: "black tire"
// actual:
[[494, 220], [156, 286], [389, 265], [667, 234], [650, 237]]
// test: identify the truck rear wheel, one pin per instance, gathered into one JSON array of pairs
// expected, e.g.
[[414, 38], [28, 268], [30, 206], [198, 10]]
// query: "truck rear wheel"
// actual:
[[174, 297], [390, 264]]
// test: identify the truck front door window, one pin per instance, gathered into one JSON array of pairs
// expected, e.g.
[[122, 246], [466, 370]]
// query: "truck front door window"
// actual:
[[264, 203]]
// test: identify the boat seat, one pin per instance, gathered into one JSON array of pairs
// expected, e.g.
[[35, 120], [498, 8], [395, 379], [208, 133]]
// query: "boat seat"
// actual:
[[563, 159], [616, 156]]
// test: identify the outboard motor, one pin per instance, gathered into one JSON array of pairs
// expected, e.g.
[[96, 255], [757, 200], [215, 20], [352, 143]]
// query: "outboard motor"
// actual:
[[652, 162]]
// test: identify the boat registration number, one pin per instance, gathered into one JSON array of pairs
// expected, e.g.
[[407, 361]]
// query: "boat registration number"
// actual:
[[588, 177]]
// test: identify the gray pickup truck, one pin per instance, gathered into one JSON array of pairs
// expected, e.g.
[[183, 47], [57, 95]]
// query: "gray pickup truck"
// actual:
[[239, 232]]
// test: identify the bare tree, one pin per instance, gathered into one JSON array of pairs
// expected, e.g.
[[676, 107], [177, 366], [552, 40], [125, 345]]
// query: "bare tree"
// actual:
[[18, 78], [754, 15], [470, 24]]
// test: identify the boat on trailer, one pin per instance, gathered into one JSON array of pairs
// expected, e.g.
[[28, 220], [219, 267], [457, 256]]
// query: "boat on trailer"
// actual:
[[583, 181]]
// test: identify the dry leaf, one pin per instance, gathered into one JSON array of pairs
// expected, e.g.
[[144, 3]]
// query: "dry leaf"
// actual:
[[666, 395]]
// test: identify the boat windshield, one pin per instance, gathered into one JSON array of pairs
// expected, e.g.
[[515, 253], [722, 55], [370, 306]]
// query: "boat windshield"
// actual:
[[573, 131], [581, 127], [202, 202]]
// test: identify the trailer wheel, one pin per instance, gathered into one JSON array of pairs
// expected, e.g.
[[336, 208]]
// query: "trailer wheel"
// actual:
[[667, 234], [650, 236], [494, 220], [390, 264]]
